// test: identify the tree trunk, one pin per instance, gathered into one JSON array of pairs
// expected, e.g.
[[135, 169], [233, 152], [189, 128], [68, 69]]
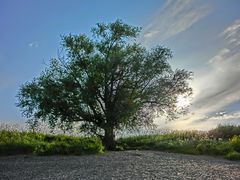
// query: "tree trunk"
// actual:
[[109, 139]]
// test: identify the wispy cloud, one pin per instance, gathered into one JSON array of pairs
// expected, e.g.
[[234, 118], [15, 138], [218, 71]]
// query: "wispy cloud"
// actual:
[[232, 33], [217, 85], [226, 117], [33, 44], [175, 17]]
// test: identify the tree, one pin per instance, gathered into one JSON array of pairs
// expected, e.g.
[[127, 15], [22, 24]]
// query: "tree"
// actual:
[[107, 82]]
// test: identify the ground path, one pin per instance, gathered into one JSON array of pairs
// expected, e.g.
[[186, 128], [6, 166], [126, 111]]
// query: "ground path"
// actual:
[[118, 165]]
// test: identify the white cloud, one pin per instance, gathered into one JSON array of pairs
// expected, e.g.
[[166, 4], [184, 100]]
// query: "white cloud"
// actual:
[[33, 44], [175, 17], [199, 121], [232, 33], [220, 56], [216, 86], [232, 116]]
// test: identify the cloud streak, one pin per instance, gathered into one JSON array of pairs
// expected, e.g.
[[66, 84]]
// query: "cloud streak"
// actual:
[[217, 86], [175, 17], [232, 33]]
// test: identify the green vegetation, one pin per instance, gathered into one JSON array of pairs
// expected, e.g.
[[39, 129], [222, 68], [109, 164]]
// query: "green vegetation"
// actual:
[[235, 142], [12, 143], [224, 132], [108, 82], [233, 155], [188, 142]]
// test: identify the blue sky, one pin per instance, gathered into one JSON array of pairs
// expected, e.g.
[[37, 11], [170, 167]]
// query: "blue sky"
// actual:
[[204, 36]]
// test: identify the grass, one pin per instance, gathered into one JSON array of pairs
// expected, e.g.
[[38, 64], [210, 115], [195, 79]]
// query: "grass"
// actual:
[[221, 141], [233, 156], [186, 142], [224, 132], [13, 142]]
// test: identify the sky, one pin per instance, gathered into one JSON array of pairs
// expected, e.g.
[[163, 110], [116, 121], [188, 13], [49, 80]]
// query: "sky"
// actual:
[[203, 35]]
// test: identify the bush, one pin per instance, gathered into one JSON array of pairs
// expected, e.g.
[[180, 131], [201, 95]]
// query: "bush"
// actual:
[[42, 149], [223, 148], [12, 142], [63, 148], [212, 147], [169, 142], [233, 155], [179, 142], [235, 142], [224, 132], [201, 148], [12, 149], [185, 147]]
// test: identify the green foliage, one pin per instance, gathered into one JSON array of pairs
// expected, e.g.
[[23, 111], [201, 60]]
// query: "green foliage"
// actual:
[[107, 82], [213, 147], [119, 148], [185, 147], [13, 149], [235, 142], [233, 155], [174, 142], [187, 142], [224, 132], [12, 143]]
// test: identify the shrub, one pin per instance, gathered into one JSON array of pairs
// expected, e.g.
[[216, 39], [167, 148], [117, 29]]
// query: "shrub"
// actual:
[[224, 132], [185, 147], [188, 135], [35, 143], [179, 142], [12, 149], [119, 148], [235, 142], [170, 142], [212, 147], [201, 148], [233, 155], [223, 148], [42, 149]]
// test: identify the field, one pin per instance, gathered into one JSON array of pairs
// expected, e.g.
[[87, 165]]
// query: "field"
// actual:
[[222, 141], [14, 142]]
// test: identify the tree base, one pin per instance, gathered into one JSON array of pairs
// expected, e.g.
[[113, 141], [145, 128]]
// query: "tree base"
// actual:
[[109, 140]]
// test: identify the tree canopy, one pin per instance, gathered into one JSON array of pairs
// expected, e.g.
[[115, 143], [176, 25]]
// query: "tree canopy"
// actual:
[[106, 82]]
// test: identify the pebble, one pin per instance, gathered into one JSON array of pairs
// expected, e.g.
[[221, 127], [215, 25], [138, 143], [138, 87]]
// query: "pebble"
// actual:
[[118, 165]]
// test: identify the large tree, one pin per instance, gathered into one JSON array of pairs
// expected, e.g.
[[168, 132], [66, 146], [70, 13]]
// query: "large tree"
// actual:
[[107, 82]]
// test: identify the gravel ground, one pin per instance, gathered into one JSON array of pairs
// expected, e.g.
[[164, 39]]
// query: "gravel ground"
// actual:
[[118, 165]]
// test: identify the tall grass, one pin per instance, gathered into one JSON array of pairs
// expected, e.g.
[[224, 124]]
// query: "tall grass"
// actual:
[[224, 132], [188, 142], [223, 141], [13, 142]]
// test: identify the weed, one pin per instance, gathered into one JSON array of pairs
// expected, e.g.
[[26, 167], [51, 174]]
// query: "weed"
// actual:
[[233, 155]]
